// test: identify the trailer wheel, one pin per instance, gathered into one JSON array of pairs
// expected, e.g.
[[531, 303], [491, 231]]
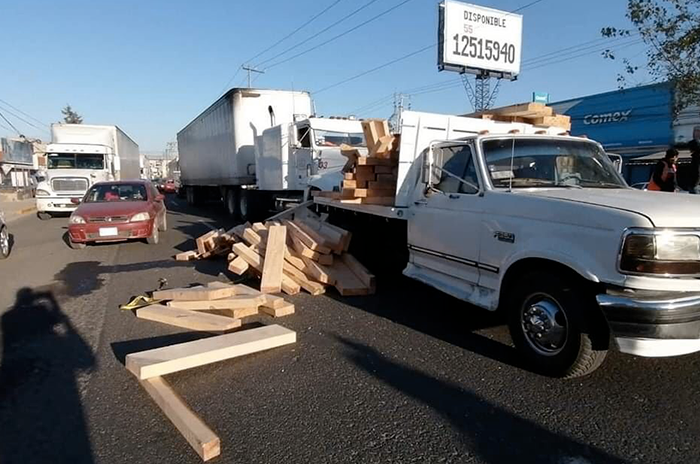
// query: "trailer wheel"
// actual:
[[553, 324], [231, 202], [191, 198], [245, 205]]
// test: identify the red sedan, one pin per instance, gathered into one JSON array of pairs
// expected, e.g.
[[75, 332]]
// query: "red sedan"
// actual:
[[117, 211]]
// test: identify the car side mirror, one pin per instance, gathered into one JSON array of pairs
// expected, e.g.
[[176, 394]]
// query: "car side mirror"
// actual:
[[75, 201]]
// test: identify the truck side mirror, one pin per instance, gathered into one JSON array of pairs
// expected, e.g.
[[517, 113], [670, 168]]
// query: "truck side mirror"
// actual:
[[432, 157]]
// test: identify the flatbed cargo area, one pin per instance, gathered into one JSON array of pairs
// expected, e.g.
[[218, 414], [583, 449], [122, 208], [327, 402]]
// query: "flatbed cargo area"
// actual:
[[390, 212]]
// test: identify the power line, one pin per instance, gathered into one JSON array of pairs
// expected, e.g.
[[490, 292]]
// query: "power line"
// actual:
[[348, 16], [25, 121], [238, 70], [377, 68], [23, 113], [11, 125]]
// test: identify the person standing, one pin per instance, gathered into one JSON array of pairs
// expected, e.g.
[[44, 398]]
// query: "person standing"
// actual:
[[694, 147], [664, 177]]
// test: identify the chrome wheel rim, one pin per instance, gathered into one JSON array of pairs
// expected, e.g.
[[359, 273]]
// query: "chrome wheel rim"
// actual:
[[544, 324], [231, 203], [243, 204], [4, 242]]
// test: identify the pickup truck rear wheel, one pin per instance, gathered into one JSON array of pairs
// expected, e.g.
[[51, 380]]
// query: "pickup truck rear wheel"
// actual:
[[554, 325], [43, 216]]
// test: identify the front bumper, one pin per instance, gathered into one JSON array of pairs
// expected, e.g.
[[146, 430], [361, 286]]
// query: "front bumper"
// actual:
[[82, 233], [56, 204], [653, 323]]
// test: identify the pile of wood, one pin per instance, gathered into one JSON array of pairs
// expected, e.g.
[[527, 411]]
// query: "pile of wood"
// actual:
[[218, 307], [371, 179], [289, 254], [537, 114]]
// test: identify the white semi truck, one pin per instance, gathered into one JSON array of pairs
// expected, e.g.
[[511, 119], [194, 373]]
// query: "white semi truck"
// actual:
[[80, 155], [257, 150], [541, 226]]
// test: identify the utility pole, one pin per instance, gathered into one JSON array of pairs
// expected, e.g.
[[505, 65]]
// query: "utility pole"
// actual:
[[250, 69], [480, 94], [399, 106]]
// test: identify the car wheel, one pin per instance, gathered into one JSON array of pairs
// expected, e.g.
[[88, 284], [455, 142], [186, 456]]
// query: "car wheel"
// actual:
[[555, 325], [4, 243], [155, 236], [44, 216], [76, 245]]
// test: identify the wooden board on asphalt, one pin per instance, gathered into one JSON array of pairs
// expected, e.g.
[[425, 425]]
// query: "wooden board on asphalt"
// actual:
[[194, 293], [192, 320], [232, 302], [175, 358], [274, 259], [200, 437]]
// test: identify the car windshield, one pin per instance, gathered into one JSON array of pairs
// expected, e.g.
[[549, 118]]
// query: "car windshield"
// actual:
[[75, 161], [116, 192], [531, 162], [326, 138]]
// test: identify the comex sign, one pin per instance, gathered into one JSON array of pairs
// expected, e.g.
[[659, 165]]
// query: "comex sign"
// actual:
[[617, 116], [479, 40]]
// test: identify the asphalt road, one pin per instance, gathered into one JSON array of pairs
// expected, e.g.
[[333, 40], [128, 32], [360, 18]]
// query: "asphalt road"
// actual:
[[407, 375]]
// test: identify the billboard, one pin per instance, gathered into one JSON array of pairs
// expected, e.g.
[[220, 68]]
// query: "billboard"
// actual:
[[16, 151], [625, 120], [479, 40]]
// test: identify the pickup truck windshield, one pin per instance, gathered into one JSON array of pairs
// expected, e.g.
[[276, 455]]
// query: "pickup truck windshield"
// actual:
[[74, 161], [116, 192], [549, 163], [326, 138]]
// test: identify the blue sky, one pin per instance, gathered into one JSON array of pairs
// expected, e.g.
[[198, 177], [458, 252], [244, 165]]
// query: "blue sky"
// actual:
[[151, 66]]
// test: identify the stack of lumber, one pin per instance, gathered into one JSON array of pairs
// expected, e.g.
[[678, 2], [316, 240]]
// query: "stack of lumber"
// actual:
[[213, 243], [297, 253], [537, 114], [217, 307], [371, 179]]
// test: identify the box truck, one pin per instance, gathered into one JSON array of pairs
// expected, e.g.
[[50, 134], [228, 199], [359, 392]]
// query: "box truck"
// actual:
[[80, 155], [257, 150]]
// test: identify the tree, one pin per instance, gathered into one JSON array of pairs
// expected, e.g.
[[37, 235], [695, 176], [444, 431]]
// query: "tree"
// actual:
[[70, 116], [671, 31]]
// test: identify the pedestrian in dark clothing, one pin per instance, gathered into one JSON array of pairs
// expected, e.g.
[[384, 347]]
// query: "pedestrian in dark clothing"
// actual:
[[664, 176], [694, 147]]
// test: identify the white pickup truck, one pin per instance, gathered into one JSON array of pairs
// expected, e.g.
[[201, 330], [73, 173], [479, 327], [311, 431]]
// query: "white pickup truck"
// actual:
[[540, 225]]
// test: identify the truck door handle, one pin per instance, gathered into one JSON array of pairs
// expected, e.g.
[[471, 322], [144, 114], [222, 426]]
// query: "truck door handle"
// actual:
[[453, 196], [420, 202]]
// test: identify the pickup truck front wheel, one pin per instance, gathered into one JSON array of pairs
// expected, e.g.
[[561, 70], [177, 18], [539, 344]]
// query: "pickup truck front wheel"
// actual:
[[551, 327]]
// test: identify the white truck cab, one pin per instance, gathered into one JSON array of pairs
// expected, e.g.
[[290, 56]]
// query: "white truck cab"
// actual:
[[306, 153], [543, 227], [79, 156]]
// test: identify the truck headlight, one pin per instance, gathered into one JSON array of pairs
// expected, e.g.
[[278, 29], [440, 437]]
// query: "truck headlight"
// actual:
[[42, 193], [140, 217], [660, 252], [75, 219]]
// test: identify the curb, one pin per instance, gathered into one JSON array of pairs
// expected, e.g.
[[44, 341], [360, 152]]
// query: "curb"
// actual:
[[26, 210]]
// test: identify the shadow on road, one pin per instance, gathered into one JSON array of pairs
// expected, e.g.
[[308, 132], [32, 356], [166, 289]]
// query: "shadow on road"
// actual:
[[494, 434], [41, 415]]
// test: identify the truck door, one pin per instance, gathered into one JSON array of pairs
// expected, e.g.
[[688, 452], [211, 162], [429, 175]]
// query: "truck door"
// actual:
[[444, 231], [302, 156]]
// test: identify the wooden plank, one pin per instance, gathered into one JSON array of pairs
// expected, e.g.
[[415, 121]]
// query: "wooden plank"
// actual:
[[384, 169], [201, 241], [256, 262], [200, 437], [361, 272], [292, 257], [318, 272], [347, 236], [314, 288], [291, 211], [194, 293], [559, 120], [523, 109], [365, 193], [271, 301], [187, 319], [351, 184], [274, 260], [258, 227], [382, 185], [373, 130], [234, 302], [316, 234], [251, 237], [297, 232], [386, 178], [303, 250], [347, 283], [383, 201], [332, 238], [238, 266], [179, 357], [364, 174], [186, 255], [383, 162], [382, 149], [285, 310]]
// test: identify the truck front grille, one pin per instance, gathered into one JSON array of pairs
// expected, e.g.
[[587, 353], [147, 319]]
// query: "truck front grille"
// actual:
[[69, 184], [100, 219]]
